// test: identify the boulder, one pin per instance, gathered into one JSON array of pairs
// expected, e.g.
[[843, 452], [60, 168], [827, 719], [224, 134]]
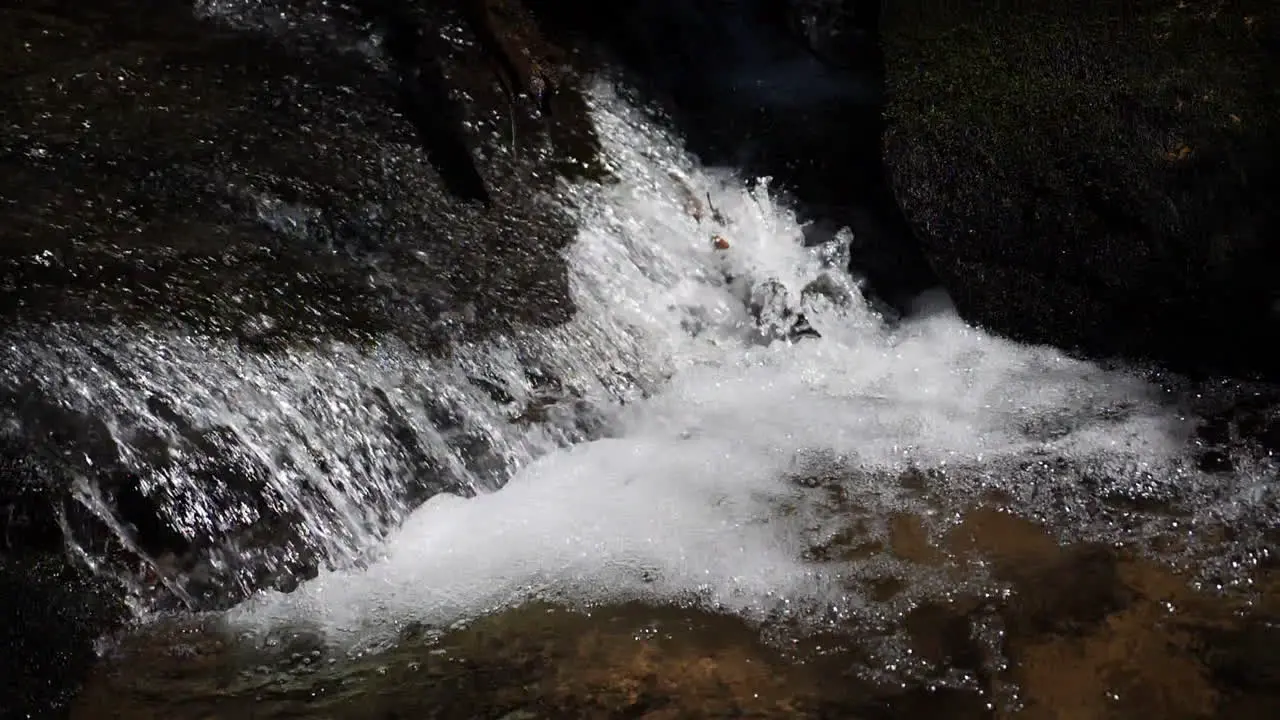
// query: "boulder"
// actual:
[[284, 172], [259, 174], [1096, 175]]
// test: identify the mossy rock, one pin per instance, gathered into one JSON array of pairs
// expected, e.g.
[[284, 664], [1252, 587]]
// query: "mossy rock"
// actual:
[[1097, 176]]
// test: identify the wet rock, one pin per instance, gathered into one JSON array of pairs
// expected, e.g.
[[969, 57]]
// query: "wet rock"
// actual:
[[1245, 659], [53, 613], [775, 315], [269, 174], [1057, 589], [1215, 461], [1096, 175], [841, 32], [1235, 419], [352, 174], [68, 489], [44, 450], [1052, 626], [540, 79], [533, 661]]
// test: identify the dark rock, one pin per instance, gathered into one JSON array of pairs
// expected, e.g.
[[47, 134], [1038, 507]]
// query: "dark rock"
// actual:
[[164, 169], [44, 449], [1215, 461], [63, 470], [843, 33], [1235, 417], [1244, 660], [280, 174], [52, 612], [1096, 175]]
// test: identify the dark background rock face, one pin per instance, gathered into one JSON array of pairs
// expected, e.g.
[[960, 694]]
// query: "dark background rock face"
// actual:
[[1096, 175]]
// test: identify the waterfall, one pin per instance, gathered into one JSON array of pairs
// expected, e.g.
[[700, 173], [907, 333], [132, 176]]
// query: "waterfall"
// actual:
[[727, 461]]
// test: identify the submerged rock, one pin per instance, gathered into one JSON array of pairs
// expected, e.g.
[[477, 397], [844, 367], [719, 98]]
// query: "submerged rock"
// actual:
[[1042, 625], [1096, 175]]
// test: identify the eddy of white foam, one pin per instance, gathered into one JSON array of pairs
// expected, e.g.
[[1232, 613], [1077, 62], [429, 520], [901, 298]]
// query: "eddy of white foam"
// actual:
[[685, 503]]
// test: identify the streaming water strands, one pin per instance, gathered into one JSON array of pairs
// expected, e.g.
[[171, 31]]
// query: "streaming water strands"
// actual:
[[262, 461], [697, 459], [715, 484]]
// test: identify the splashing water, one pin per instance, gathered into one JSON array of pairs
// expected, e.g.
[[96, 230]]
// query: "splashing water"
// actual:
[[692, 494]]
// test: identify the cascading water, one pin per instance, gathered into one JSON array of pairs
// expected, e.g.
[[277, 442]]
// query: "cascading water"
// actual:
[[715, 481], [265, 464], [899, 503], [255, 468]]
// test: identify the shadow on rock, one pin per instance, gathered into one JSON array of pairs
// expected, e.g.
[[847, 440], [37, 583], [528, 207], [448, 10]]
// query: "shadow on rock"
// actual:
[[1096, 176]]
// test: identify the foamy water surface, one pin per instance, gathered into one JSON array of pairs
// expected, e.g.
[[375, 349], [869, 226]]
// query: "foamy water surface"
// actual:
[[692, 496]]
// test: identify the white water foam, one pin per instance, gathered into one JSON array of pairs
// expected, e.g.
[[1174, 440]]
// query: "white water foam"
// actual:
[[691, 497]]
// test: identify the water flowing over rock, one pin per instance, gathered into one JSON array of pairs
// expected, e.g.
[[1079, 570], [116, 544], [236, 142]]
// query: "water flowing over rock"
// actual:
[[271, 175], [747, 92], [349, 323], [1096, 175], [203, 204]]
